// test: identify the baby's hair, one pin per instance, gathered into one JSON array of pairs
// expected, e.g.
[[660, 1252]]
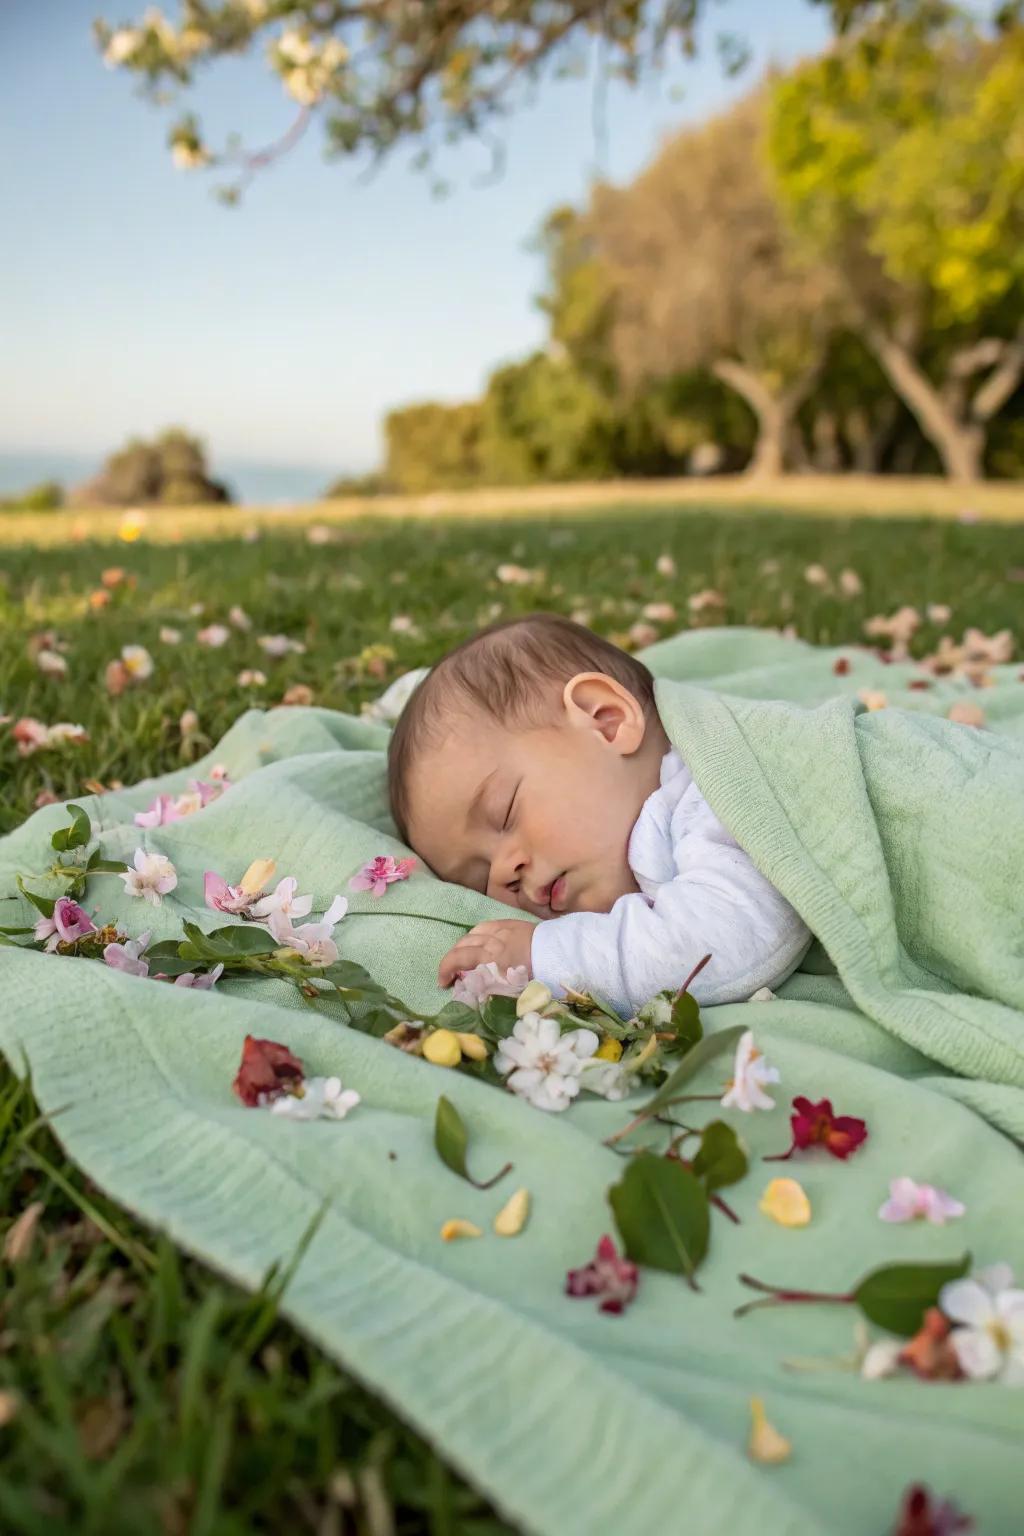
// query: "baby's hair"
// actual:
[[502, 671]]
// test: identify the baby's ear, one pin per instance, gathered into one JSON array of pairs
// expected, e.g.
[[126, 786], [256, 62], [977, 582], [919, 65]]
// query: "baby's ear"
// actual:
[[595, 702]]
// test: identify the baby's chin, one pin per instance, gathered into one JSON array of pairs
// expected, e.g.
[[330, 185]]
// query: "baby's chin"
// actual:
[[601, 894]]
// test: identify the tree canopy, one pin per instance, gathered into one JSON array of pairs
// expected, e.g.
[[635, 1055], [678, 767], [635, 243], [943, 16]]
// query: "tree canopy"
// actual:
[[379, 73]]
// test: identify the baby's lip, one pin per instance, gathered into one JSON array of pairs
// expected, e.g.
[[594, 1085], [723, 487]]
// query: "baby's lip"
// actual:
[[557, 894]]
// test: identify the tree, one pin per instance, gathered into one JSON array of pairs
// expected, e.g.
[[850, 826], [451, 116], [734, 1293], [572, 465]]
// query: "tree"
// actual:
[[379, 73], [899, 156], [169, 471], [703, 274], [432, 446]]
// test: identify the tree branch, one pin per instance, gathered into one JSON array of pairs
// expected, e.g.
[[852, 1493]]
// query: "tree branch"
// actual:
[[1001, 384]]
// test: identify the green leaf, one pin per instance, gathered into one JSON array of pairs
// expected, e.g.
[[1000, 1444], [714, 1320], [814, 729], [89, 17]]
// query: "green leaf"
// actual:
[[351, 979], [15, 930], [452, 1140], [721, 1159], [697, 1057], [8, 943], [43, 904], [457, 1017], [76, 835], [897, 1296], [237, 941], [662, 1212], [686, 1024], [498, 1015], [100, 866]]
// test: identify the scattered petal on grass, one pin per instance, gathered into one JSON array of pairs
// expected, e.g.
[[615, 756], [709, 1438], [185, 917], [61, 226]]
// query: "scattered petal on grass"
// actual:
[[20, 1235], [786, 1202], [766, 1445], [511, 1219], [456, 1227]]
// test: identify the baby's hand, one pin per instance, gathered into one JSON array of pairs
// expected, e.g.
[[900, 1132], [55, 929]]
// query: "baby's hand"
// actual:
[[506, 942]]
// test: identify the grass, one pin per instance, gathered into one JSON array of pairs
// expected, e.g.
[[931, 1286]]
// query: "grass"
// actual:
[[811, 495], [142, 1392]]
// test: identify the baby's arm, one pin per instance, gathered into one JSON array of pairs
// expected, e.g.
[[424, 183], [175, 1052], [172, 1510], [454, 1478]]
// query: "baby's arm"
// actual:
[[721, 905]]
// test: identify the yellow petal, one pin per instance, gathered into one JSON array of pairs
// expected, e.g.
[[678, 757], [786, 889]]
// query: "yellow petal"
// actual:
[[534, 998], [608, 1050], [456, 1227], [511, 1219], [786, 1202], [258, 876], [442, 1048], [765, 1444], [472, 1046]]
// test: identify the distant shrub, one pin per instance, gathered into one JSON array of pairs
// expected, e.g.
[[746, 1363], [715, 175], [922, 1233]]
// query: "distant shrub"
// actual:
[[169, 471], [47, 496]]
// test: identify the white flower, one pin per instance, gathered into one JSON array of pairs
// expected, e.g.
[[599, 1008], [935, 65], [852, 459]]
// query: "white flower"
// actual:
[[214, 635], [543, 1065], [990, 1345], [51, 664], [284, 900], [394, 698], [239, 618], [484, 981], [319, 1098], [657, 1012], [850, 584], [251, 677], [138, 663], [153, 876], [280, 645], [120, 46], [665, 565], [169, 636], [608, 1079], [881, 1359], [313, 941], [749, 1074]]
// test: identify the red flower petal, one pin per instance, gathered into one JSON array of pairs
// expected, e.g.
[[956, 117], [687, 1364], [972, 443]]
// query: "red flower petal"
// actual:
[[266, 1068], [817, 1125], [923, 1515], [841, 666], [608, 1275]]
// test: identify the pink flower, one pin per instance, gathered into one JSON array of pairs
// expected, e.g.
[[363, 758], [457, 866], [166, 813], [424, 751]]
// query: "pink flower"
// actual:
[[912, 1202], [200, 983], [381, 872], [30, 735], [313, 941], [608, 1275], [223, 897], [284, 900], [128, 957], [159, 813], [474, 987], [69, 922]]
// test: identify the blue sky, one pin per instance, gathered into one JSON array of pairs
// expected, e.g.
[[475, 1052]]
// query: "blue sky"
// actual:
[[284, 329]]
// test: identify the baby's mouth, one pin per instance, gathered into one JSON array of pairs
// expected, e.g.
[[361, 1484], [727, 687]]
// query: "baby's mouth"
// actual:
[[557, 894]]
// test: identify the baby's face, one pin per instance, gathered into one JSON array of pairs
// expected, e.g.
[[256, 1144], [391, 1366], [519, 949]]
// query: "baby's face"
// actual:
[[538, 819]]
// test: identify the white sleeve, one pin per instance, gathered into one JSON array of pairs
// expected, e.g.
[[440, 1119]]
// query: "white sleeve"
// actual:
[[717, 904]]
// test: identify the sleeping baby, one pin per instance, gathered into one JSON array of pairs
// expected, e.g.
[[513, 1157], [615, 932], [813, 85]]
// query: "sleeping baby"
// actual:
[[531, 765]]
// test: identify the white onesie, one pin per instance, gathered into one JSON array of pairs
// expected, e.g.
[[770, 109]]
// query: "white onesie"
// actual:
[[699, 894]]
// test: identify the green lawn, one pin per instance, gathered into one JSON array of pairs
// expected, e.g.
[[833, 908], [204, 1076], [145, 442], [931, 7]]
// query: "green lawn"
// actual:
[[141, 1393]]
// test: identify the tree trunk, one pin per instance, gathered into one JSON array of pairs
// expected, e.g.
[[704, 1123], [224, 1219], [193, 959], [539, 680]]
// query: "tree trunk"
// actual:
[[776, 413], [960, 443]]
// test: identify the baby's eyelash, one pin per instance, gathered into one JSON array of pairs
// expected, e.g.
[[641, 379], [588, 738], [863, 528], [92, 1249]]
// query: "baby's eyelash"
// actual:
[[508, 813]]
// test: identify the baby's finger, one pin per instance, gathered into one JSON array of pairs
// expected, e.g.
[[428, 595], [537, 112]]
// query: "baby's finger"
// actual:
[[462, 957]]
